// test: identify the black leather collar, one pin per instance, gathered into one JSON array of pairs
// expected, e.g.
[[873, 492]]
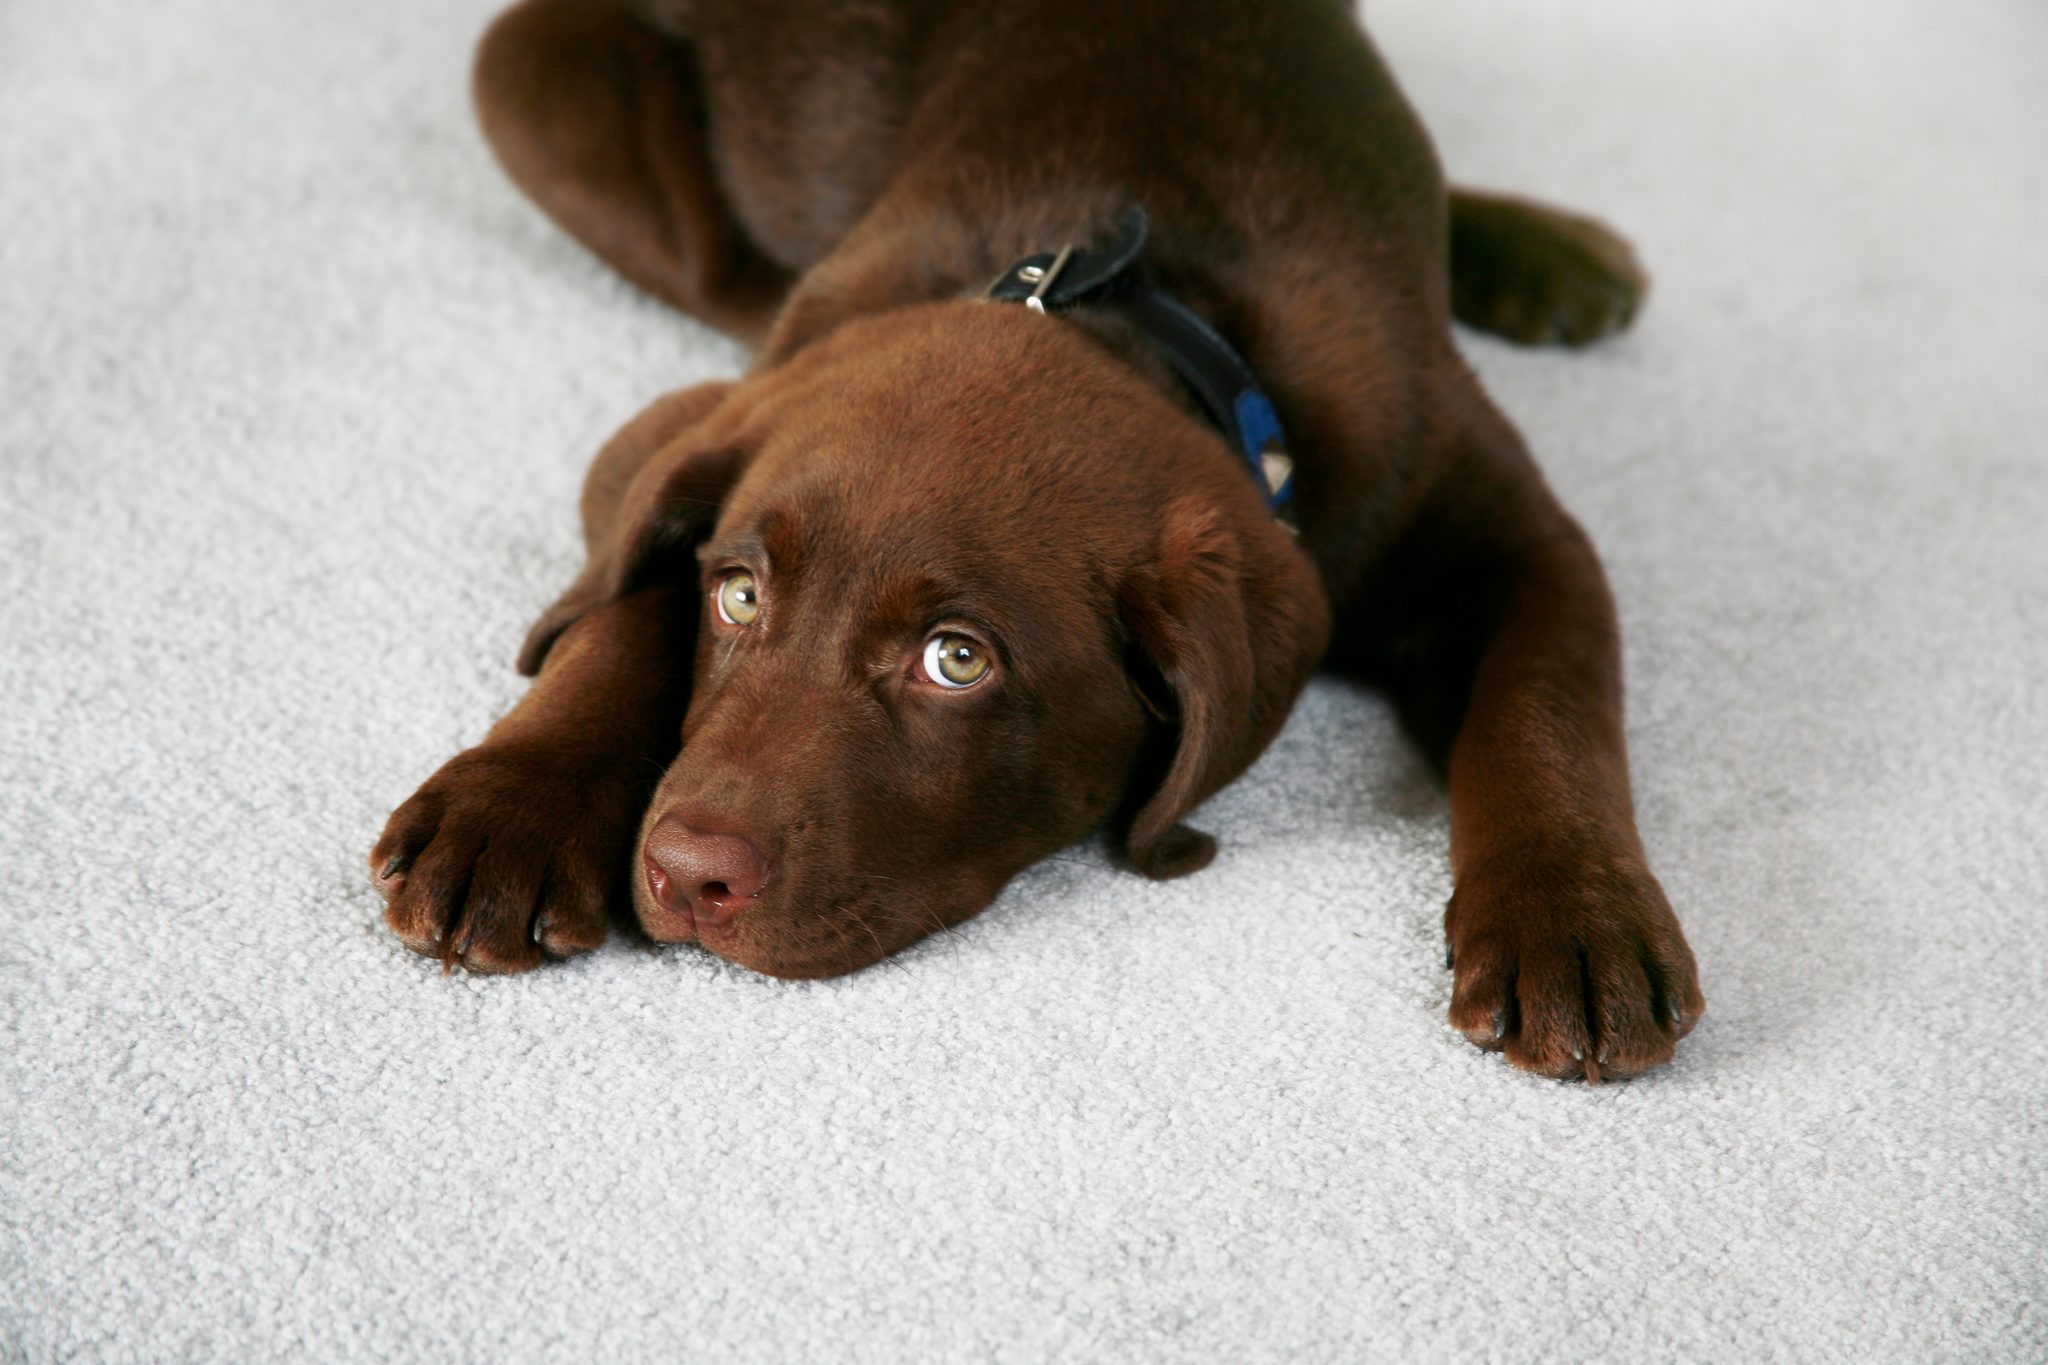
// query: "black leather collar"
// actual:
[[1112, 276]]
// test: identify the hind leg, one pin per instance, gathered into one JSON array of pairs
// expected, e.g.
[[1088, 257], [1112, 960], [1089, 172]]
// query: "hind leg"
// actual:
[[600, 120], [1538, 275]]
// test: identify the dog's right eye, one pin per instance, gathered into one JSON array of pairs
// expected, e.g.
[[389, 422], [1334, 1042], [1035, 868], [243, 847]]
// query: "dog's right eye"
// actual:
[[737, 599], [954, 662]]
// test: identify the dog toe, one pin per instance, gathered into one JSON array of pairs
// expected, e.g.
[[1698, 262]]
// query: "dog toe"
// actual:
[[500, 863]]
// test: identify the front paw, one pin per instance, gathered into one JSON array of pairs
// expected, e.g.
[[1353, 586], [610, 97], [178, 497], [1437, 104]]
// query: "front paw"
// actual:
[[504, 858], [1572, 968]]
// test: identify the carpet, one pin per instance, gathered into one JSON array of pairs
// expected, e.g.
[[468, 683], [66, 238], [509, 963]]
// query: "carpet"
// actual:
[[297, 395]]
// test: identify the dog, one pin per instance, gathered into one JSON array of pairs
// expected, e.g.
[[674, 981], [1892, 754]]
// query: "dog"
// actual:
[[1103, 389]]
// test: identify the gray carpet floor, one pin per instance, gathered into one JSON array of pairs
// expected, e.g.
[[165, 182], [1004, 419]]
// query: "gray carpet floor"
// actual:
[[295, 394]]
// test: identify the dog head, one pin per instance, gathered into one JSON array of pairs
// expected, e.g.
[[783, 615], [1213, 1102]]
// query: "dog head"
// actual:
[[969, 589]]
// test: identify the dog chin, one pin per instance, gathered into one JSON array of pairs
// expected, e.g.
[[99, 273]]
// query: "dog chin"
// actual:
[[786, 963], [756, 947]]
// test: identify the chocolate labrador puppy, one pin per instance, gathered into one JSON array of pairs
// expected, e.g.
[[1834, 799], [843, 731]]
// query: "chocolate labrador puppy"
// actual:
[[1104, 389]]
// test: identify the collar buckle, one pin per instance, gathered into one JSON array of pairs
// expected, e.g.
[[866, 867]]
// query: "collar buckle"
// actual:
[[1044, 277], [1112, 276]]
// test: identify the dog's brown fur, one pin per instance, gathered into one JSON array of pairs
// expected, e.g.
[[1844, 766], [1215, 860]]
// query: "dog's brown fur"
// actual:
[[834, 183]]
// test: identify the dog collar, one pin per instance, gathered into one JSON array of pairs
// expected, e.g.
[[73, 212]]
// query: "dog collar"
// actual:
[[1111, 276]]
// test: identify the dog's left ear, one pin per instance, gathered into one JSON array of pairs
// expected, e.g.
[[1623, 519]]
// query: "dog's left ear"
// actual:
[[1232, 618], [652, 493]]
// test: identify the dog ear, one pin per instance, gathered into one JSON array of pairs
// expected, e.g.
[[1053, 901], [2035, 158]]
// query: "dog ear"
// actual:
[[653, 492], [1232, 619]]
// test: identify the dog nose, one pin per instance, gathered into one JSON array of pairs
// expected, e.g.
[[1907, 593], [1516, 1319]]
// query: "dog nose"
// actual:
[[709, 875]]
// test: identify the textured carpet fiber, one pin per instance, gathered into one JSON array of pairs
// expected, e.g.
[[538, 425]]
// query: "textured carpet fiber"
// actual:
[[297, 394]]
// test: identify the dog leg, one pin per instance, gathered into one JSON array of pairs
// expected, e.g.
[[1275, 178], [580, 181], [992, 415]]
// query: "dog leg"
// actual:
[[510, 854], [1493, 625], [1539, 275], [599, 118], [1567, 954]]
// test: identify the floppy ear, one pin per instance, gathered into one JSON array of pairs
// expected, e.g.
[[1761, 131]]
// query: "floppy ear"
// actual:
[[1233, 619], [653, 492]]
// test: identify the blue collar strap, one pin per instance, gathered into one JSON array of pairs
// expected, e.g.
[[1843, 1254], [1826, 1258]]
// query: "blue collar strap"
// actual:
[[1112, 276]]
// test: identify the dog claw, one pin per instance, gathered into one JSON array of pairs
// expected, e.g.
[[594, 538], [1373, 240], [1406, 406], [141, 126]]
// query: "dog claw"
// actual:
[[399, 862]]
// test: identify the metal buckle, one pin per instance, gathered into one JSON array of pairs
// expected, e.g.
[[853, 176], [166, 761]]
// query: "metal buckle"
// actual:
[[1044, 277]]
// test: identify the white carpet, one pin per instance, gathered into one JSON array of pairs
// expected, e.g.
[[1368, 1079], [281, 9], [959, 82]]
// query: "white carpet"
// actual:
[[294, 398]]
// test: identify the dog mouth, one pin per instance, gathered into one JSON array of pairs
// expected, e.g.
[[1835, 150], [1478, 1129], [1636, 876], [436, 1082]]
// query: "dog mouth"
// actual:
[[843, 934]]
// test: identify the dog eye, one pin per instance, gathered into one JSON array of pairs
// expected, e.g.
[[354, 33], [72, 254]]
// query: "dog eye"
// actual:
[[954, 661], [737, 599]]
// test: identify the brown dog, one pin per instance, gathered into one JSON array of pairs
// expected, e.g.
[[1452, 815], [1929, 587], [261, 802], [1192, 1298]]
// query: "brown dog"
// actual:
[[944, 583]]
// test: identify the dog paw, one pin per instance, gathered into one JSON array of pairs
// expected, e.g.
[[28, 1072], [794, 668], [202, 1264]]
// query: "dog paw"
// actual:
[[1573, 972], [504, 859], [1543, 278]]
